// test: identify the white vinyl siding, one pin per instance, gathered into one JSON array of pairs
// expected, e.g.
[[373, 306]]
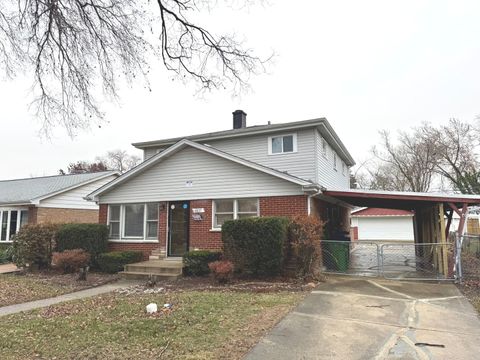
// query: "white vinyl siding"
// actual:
[[149, 152], [326, 174], [74, 199], [394, 228], [256, 148], [194, 174]]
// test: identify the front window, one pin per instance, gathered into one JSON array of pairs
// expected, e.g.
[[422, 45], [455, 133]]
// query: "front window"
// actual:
[[134, 220], [233, 209], [10, 223], [138, 221], [282, 144]]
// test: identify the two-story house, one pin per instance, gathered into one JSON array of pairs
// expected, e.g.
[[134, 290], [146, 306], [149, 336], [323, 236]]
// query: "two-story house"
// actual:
[[179, 197]]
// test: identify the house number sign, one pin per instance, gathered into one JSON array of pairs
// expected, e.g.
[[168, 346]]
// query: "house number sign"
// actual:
[[198, 210]]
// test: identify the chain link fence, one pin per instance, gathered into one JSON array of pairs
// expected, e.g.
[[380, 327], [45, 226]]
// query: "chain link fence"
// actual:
[[468, 264]]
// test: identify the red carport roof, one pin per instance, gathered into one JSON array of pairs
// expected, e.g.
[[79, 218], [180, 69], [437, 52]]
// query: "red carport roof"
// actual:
[[399, 199], [381, 212]]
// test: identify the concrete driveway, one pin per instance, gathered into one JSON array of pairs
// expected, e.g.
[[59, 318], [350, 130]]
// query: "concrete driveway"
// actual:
[[360, 318]]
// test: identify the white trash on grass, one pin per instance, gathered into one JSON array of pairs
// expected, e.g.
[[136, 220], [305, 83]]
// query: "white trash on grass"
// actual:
[[152, 308]]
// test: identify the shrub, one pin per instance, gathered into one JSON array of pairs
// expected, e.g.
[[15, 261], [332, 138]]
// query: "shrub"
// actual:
[[222, 270], [196, 262], [6, 254], [305, 234], [255, 245], [93, 238], [33, 245], [114, 261], [70, 260]]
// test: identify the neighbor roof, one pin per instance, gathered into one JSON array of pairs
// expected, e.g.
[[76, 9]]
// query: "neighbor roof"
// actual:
[[185, 143], [381, 212], [31, 190], [321, 123]]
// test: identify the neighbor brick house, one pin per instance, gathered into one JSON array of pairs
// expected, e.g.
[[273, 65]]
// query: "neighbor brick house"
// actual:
[[52, 199], [178, 198]]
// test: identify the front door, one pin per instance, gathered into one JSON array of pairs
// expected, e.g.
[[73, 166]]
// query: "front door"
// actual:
[[178, 218]]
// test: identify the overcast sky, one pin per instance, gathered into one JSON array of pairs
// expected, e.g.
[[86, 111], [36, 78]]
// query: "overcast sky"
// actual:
[[364, 65]]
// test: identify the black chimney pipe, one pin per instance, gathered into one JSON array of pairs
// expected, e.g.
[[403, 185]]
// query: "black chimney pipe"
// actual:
[[239, 119]]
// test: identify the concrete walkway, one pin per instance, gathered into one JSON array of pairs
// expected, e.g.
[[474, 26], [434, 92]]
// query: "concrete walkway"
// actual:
[[8, 268], [360, 318], [82, 294]]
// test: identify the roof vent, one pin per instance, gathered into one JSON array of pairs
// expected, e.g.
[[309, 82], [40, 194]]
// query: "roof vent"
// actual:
[[239, 119]]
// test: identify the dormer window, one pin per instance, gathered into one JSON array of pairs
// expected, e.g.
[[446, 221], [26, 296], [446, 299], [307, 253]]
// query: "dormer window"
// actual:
[[282, 144]]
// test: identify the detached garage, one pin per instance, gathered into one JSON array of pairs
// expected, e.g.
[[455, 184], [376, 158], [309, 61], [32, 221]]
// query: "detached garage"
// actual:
[[382, 224]]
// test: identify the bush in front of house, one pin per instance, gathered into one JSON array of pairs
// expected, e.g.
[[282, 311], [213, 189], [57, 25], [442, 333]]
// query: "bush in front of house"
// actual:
[[305, 234], [114, 261], [195, 263], [70, 261], [33, 245], [222, 270], [93, 238], [256, 246], [6, 254]]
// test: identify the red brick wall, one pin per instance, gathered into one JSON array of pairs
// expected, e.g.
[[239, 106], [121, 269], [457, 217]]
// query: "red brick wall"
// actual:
[[354, 232], [102, 214], [200, 234], [284, 205]]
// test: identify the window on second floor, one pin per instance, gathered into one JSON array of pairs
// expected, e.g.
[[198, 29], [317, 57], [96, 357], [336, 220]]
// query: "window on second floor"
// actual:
[[324, 147], [282, 144], [334, 161], [343, 168]]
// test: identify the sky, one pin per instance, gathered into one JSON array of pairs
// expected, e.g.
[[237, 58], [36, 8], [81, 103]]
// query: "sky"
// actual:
[[364, 65]]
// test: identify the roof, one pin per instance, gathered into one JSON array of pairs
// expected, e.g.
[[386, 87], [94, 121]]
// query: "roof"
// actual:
[[321, 123], [185, 143], [400, 199], [31, 190], [366, 212]]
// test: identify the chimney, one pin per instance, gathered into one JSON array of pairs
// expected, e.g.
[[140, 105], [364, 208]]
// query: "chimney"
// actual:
[[239, 119]]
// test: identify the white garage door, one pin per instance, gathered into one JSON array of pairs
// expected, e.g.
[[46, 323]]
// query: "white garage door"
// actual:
[[384, 228]]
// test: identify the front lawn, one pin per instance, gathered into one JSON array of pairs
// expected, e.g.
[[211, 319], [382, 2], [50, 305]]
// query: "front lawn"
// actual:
[[216, 324], [17, 288]]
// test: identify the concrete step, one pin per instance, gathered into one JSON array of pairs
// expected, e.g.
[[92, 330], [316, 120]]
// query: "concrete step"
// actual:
[[132, 275], [153, 270]]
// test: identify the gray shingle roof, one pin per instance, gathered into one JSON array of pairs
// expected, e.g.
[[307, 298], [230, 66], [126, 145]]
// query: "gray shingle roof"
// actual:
[[23, 191]]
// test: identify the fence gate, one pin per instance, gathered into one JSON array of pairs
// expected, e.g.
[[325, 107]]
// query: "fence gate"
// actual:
[[402, 261]]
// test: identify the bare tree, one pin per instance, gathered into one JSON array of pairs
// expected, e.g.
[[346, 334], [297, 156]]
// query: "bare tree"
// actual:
[[408, 165], [455, 147], [119, 160], [78, 48], [82, 167]]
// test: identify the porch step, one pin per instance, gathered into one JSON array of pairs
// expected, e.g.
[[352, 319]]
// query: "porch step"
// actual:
[[157, 254], [159, 269]]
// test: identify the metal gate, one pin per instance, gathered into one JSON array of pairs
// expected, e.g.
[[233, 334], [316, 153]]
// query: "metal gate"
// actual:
[[402, 261]]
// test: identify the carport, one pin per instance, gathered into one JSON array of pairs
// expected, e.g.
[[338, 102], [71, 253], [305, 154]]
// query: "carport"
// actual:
[[431, 210]]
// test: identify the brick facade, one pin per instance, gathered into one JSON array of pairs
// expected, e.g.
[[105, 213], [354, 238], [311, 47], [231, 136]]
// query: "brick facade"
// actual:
[[63, 215], [201, 235]]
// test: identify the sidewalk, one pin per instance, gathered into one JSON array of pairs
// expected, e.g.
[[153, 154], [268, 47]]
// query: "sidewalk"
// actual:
[[8, 268], [82, 294]]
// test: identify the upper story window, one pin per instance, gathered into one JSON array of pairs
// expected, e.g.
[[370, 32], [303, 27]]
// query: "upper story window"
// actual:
[[334, 161], [343, 168], [232, 209], [324, 147], [282, 144]]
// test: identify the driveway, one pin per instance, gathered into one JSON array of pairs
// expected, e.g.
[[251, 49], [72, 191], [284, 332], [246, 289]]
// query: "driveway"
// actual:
[[361, 318]]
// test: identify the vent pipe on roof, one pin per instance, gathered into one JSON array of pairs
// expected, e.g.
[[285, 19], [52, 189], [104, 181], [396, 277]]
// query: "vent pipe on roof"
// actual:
[[239, 119]]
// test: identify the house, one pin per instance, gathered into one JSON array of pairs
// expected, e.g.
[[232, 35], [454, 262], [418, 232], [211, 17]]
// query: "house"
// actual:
[[55, 199], [186, 187], [376, 224]]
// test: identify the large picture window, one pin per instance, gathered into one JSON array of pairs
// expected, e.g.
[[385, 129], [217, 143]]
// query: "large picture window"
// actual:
[[231, 209], [133, 221], [10, 223]]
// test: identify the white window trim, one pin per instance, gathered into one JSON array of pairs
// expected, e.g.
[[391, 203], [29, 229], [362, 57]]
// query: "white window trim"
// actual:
[[324, 148], [121, 236], [9, 217], [343, 168], [335, 167], [235, 211], [294, 139]]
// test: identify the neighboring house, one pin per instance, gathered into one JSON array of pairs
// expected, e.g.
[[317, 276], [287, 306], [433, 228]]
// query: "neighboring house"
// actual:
[[382, 224], [56, 199], [179, 197]]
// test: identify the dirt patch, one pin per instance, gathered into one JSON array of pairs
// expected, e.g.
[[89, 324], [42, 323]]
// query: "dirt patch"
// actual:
[[70, 280]]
